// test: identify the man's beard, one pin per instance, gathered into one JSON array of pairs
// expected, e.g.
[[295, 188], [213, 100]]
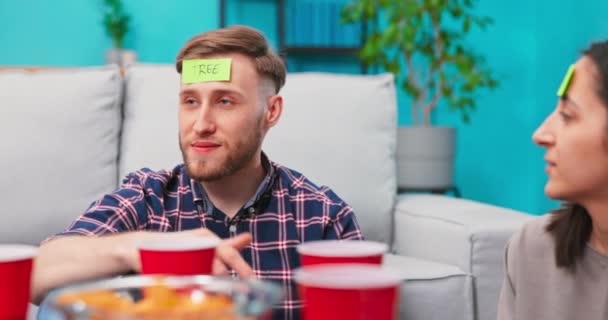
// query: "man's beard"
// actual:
[[238, 156]]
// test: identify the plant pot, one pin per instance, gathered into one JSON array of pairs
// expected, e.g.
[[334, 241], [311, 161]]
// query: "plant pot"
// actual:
[[120, 57], [425, 157]]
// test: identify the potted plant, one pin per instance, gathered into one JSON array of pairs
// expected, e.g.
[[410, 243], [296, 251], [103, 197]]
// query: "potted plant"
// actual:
[[422, 42], [116, 24]]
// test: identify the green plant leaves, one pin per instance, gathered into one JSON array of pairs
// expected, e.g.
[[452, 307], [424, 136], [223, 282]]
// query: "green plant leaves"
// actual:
[[431, 34], [115, 21], [466, 25], [411, 89]]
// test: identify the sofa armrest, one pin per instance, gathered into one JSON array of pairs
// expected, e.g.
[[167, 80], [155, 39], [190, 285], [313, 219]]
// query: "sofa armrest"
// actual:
[[464, 233]]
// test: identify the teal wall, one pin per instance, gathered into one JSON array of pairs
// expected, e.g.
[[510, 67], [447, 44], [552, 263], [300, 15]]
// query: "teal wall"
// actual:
[[530, 46], [496, 160], [69, 32]]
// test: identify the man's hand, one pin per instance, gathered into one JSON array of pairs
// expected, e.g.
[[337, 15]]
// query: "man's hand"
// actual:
[[227, 253], [69, 259]]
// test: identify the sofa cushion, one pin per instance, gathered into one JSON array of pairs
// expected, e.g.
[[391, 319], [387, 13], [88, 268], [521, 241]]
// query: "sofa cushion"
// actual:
[[432, 290], [459, 232], [150, 128], [340, 131], [60, 130]]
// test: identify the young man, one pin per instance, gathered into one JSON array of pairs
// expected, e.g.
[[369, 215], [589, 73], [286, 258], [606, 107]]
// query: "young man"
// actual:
[[227, 187]]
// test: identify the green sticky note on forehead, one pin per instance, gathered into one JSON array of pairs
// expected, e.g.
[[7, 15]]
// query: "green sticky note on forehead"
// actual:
[[205, 70], [563, 88]]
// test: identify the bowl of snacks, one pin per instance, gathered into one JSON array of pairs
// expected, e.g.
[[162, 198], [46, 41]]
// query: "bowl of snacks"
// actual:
[[165, 297]]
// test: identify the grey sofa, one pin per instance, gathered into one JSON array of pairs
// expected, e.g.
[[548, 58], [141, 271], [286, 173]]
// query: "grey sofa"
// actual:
[[69, 135]]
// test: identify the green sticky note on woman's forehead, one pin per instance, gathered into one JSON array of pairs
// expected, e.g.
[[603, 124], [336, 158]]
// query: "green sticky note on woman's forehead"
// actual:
[[563, 88], [205, 70]]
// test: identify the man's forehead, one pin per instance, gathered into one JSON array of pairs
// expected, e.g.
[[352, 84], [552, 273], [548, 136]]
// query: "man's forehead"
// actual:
[[210, 87], [206, 70], [229, 67]]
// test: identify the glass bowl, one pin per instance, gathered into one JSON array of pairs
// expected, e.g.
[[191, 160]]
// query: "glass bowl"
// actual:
[[165, 297]]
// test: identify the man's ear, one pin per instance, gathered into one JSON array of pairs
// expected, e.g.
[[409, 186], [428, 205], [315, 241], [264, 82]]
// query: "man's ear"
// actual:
[[274, 106]]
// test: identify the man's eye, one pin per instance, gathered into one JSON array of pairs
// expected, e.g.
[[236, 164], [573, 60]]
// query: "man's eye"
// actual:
[[190, 101], [225, 101]]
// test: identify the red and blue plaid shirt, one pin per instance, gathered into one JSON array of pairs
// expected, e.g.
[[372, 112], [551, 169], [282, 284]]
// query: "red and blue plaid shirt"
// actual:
[[287, 210]]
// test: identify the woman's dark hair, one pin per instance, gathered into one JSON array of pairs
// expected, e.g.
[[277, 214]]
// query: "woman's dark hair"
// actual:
[[571, 226]]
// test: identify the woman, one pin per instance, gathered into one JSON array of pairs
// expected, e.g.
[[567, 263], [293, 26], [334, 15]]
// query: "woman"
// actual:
[[557, 265]]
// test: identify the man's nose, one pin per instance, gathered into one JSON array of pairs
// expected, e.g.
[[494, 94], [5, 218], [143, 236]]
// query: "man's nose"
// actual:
[[204, 123]]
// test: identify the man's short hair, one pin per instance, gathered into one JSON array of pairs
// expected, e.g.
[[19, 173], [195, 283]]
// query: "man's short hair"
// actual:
[[236, 39]]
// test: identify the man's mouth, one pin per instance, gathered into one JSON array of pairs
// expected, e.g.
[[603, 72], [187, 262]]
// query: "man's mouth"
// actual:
[[204, 146]]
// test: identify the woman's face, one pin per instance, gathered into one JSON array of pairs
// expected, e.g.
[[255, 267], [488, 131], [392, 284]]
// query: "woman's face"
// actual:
[[575, 135]]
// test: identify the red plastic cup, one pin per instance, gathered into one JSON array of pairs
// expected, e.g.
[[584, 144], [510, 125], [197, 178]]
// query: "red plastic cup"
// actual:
[[341, 251], [185, 256], [15, 277], [352, 291]]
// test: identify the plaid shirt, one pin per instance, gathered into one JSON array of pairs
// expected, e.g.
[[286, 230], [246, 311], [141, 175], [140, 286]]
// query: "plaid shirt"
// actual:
[[286, 210]]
